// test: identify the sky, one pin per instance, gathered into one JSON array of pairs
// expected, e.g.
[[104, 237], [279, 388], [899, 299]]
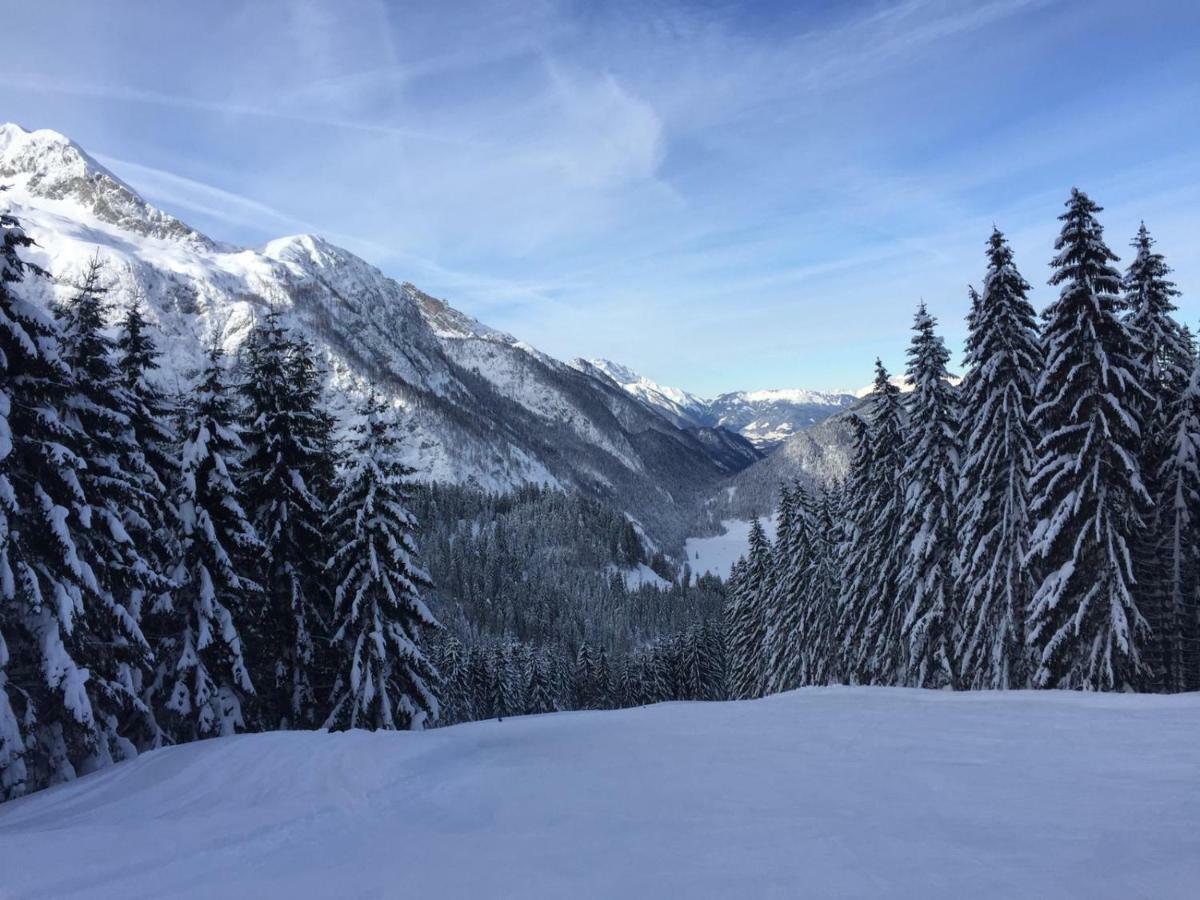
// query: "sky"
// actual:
[[721, 196]]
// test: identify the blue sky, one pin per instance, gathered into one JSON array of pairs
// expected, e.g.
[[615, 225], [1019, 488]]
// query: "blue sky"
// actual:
[[720, 195]]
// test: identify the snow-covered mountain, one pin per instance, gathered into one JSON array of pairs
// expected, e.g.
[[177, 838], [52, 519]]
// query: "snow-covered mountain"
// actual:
[[768, 418], [479, 405], [765, 418], [684, 409]]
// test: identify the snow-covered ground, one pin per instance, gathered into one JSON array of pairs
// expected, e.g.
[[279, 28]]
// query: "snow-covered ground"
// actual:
[[639, 575], [717, 554], [832, 792]]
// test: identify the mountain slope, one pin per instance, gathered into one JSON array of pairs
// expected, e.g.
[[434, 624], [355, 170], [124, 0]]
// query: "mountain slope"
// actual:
[[822, 792], [815, 455], [479, 405], [684, 409]]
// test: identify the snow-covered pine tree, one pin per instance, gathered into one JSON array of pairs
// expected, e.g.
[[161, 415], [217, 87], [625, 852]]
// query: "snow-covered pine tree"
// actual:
[[538, 696], [712, 636], [1086, 484], [584, 677], [778, 606], [1003, 359], [203, 650], [1163, 357], [150, 414], [654, 676], [379, 617], [850, 606], [1179, 512], [737, 626], [480, 678], [692, 663], [819, 589], [928, 525], [55, 615], [746, 621], [282, 433], [504, 703], [871, 616], [604, 682], [319, 429], [760, 577], [792, 558], [450, 657], [627, 691], [124, 501], [13, 772], [21, 361]]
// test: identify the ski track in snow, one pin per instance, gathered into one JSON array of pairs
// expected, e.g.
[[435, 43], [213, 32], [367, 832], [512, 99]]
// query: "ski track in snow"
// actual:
[[718, 553], [824, 792]]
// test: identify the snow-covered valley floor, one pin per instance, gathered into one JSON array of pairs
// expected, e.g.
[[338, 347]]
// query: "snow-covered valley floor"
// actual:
[[832, 792], [717, 553]]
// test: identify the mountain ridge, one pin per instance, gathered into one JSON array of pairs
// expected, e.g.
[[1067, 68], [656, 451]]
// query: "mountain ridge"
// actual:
[[478, 405], [766, 418]]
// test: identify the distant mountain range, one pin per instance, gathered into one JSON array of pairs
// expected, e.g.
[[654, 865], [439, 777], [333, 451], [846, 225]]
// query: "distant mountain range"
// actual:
[[765, 418]]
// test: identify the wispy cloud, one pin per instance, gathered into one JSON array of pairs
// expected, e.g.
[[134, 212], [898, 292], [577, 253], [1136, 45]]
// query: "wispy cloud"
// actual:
[[667, 184], [125, 94]]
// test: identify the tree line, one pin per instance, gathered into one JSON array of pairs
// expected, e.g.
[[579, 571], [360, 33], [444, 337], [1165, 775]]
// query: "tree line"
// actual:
[[1035, 526], [506, 677], [179, 567]]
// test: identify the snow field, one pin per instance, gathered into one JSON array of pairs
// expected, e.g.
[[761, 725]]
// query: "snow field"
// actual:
[[823, 792], [718, 553]]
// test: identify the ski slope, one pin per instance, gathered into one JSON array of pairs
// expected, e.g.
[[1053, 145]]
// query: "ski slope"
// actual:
[[830, 792]]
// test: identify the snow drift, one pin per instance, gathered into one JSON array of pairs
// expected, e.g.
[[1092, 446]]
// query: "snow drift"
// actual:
[[831, 792]]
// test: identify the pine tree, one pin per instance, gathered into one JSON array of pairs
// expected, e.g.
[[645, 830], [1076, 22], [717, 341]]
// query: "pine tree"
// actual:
[[120, 531], [57, 716], [1003, 359], [872, 618], [852, 600], [379, 616], [654, 676], [538, 698], [1179, 480], [1163, 358], [747, 625], [604, 684], [503, 704], [480, 675], [928, 525], [792, 559], [451, 659], [584, 677], [203, 651], [712, 640], [693, 664], [818, 660], [780, 605], [1087, 487], [150, 415], [283, 431], [19, 351]]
